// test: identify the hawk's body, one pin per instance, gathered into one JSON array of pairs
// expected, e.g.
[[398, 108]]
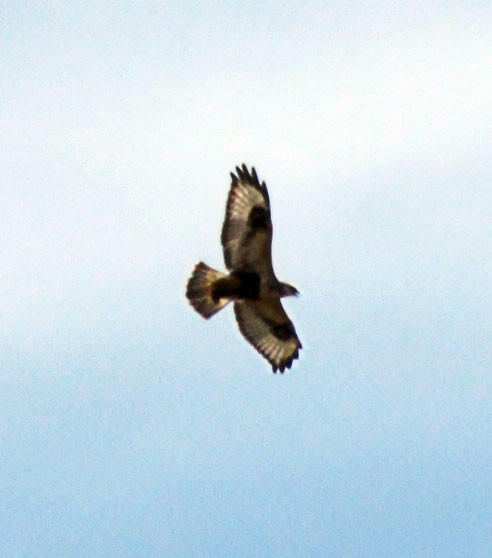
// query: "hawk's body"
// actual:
[[251, 283]]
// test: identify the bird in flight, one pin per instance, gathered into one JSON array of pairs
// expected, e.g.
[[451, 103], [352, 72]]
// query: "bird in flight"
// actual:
[[251, 283]]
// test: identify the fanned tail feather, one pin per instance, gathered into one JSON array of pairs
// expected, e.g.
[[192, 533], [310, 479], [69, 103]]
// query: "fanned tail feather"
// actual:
[[200, 288]]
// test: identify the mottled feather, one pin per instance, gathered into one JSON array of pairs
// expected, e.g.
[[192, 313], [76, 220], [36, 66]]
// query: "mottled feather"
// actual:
[[268, 328], [247, 230]]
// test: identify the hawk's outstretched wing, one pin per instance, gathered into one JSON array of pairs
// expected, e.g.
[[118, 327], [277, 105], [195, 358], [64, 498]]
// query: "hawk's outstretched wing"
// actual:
[[268, 328], [247, 230]]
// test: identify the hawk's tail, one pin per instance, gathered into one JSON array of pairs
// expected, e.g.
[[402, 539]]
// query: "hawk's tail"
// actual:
[[199, 290]]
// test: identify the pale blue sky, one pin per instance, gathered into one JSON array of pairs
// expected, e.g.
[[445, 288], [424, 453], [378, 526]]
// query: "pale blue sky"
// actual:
[[131, 427]]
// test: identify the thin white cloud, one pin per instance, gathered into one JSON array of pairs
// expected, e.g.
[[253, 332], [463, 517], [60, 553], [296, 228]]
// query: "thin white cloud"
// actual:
[[107, 171]]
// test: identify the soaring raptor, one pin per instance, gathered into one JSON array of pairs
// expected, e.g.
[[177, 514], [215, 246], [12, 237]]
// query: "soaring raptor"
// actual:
[[251, 283]]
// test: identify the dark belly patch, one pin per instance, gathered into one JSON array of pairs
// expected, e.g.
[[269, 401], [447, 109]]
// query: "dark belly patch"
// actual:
[[239, 284], [249, 286]]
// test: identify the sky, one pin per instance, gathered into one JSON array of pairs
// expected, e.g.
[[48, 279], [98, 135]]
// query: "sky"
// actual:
[[130, 426]]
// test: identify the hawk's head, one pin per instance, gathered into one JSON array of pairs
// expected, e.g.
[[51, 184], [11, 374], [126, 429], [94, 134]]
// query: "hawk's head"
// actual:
[[288, 290]]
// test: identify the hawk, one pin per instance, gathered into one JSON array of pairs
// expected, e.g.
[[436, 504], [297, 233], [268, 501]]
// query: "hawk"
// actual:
[[251, 283]]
